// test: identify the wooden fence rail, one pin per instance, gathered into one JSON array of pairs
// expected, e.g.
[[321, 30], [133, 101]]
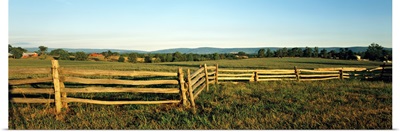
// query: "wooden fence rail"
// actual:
[[303, 74], [59, 76], [70, 71], [200, 80]]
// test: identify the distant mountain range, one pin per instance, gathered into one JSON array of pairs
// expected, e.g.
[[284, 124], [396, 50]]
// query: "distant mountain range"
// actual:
[[201, 50]]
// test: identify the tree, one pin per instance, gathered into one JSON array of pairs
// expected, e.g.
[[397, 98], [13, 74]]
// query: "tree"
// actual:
[[216, 56], [43, 50], [350, 54], [60, 54], [190, 57], [169, 57], [299, 52], [278, 53], [374, 52], [324, 53], [292, 52], [307, 52], [196, 57], [81, 56], [177, 56], [9, 48], [315, 53], [241, 53], [387, 54], [261, 53], [16, 51], [269, 53], [147, 59], [107, 54], [342, 53], [285, 52], [121, 58], [132, 57], [115, 53], [332, 54]]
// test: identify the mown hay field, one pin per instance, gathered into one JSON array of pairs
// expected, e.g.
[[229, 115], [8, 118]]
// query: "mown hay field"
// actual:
[[332, 104]]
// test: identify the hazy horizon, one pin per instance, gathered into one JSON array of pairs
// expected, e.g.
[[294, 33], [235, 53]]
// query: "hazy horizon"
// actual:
[[165, 24]]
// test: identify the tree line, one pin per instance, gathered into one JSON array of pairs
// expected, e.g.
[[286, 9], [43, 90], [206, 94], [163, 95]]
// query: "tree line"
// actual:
[[374, 52]]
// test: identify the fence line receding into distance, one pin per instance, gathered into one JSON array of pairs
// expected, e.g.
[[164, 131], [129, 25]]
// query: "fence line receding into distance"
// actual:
[[193, 84]]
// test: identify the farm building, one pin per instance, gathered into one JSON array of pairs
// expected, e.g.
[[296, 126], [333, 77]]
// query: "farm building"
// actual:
[[95, 55], [27, 55]]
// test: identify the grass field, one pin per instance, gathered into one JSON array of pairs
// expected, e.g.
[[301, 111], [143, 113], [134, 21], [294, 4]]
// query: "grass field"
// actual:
[[334, 104], [253, 63]]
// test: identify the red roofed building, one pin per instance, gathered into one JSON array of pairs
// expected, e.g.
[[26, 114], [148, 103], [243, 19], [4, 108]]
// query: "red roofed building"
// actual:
[[27, 55], [95, 55]]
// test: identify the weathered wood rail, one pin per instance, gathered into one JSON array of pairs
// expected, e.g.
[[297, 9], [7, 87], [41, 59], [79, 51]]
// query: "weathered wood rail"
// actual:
[[383, 72], [200, 80], [60, 76], [278, 74]]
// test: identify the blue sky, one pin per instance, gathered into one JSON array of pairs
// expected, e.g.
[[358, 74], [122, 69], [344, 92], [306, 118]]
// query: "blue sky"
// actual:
[[160, 24]]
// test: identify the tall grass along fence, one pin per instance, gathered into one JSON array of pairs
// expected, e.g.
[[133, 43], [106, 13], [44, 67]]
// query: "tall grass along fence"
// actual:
[[104, 81], [60, 76]]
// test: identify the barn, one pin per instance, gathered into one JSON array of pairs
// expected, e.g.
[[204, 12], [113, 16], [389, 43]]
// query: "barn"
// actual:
[[27, 55], [95, 55]]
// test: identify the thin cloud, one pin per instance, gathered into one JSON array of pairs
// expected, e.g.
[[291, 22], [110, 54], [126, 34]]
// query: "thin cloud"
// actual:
[[25, 44]]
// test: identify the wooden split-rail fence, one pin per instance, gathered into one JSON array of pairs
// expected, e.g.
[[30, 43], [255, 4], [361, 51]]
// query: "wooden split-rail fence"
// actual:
[[383, 72], [60, 76], [192, 85], [200, 80], [279, 74]]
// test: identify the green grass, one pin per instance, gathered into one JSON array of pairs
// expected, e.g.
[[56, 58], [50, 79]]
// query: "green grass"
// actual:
[[253, 63], [335, 104], [332, 104]]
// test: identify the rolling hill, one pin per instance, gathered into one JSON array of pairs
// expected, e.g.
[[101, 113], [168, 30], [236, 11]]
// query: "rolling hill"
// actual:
[[200, 50]]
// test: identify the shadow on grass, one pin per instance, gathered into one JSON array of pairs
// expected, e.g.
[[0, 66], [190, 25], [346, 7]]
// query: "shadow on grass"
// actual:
[[13, 114]]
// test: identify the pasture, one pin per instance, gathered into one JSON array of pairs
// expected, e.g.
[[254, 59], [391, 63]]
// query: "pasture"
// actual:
[[331, 104]]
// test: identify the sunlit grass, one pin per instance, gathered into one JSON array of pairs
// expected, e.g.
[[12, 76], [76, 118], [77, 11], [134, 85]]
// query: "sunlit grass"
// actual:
[[332, 104]]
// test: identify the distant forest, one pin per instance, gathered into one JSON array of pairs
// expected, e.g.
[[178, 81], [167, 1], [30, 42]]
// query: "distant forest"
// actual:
[[374, 52]]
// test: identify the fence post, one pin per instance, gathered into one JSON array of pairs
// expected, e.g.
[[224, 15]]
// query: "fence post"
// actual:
[[383, 69], [63, 95], [216, 74], [297, 73], [205, 71], [56, 83], [341, 74], [251, 79], [190, 88], [182, 87], [255, 76]]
